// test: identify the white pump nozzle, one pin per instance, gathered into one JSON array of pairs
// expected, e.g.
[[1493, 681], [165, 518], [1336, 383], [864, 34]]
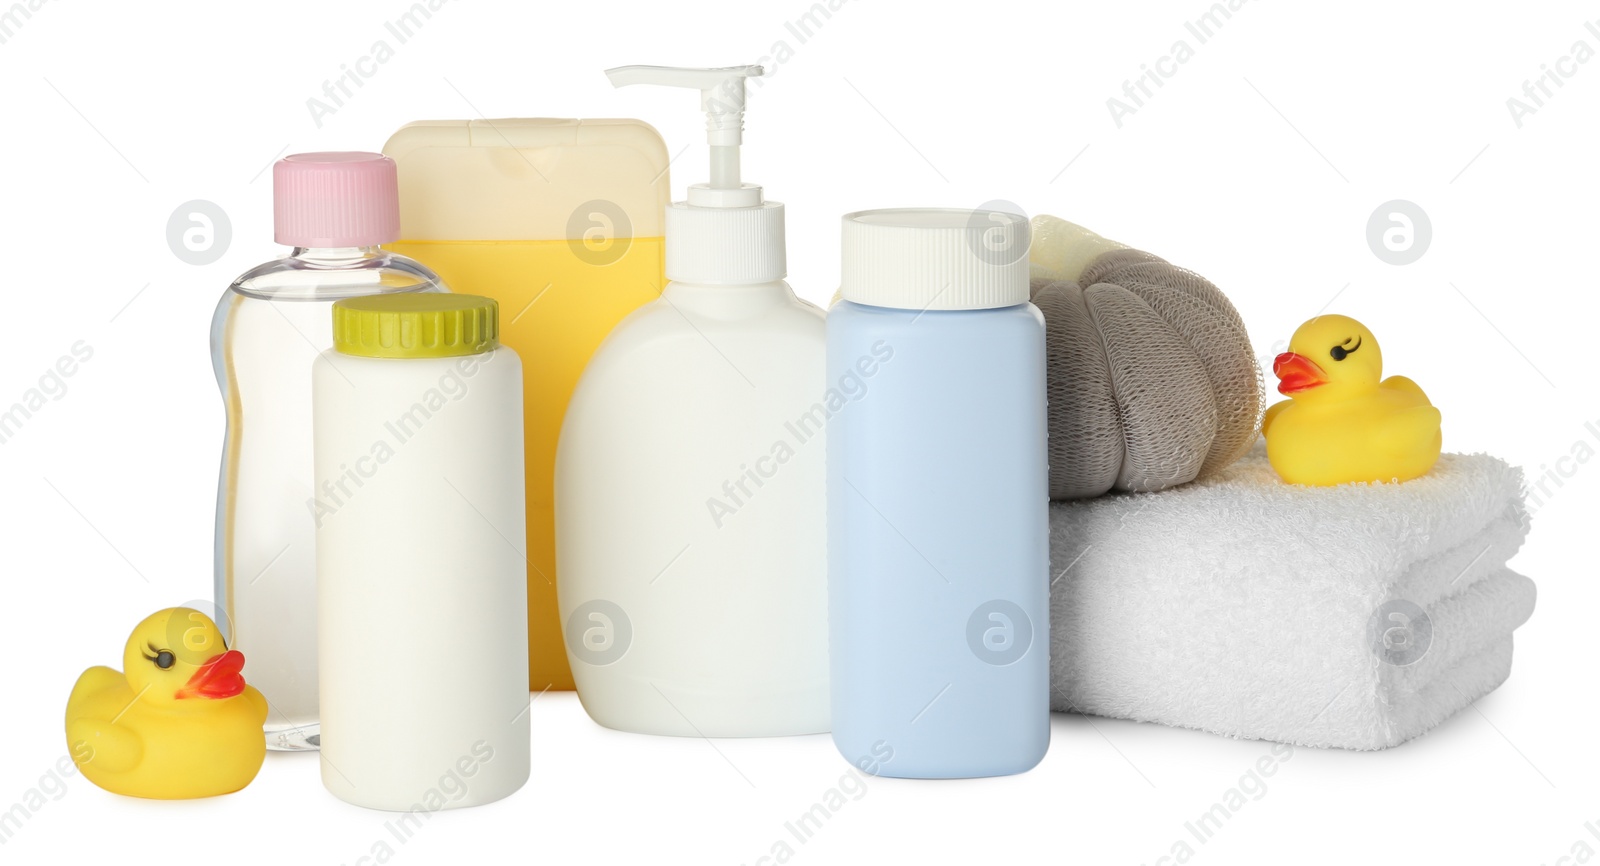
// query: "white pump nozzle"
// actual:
[[725, 233], [722, 99]]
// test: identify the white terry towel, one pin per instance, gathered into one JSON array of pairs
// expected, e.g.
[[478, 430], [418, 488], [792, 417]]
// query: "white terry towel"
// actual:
[[1248, 607]]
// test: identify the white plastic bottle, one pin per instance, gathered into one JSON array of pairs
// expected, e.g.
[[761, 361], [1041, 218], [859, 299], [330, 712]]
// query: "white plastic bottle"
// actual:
[[334, 209], [690, 501], [421, 555]]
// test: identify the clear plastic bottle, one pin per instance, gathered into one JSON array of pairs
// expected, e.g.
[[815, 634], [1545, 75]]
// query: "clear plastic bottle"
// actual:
[[334, 209]]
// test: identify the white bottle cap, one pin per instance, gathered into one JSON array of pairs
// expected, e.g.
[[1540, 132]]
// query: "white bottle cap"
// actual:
[[725, 245], [725, 233], [935, 258]]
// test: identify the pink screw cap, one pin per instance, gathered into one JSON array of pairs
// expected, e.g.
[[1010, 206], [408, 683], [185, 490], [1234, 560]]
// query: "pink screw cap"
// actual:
[[335, 200]]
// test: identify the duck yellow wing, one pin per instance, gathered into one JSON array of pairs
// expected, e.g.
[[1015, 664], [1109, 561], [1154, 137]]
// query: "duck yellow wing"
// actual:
[[1411, 428], [1407, 442], [92, 687], [110, 747], [1403, 385], [98, 700], [1272, 413]]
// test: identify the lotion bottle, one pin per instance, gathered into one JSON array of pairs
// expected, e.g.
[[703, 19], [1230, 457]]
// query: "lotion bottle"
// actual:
[[690, 502]]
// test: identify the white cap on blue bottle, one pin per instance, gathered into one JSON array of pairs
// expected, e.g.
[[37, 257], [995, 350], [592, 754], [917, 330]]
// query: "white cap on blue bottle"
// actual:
[[935, 258]]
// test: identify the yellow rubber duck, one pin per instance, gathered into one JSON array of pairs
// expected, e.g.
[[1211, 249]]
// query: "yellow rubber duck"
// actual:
[[1343, 422], [177, 723]]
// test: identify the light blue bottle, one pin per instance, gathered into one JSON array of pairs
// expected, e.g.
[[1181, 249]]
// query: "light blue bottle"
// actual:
[[938, 546]]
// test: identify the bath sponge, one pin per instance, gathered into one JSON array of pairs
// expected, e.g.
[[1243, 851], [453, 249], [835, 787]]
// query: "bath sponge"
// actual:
[[1152, 380]]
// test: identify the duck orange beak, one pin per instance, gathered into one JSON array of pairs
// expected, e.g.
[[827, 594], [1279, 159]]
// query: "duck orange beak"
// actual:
[[1297, 373], [218, 678]]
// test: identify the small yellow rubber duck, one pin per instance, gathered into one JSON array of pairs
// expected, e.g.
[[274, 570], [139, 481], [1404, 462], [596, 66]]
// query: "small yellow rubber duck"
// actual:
[[178, 723], [1343, 422]]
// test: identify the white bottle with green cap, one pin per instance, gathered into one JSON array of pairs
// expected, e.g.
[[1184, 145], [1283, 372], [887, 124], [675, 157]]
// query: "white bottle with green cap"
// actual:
[[690, 502], [421, 559]]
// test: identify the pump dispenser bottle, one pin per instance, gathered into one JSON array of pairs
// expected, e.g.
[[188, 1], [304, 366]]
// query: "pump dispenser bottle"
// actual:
[[690, 502]]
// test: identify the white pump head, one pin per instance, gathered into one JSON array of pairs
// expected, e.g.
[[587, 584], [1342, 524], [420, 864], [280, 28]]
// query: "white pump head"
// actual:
[[722, 99], [725, 232]]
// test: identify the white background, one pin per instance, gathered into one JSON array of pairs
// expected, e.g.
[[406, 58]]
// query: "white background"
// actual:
[[1257, 164]]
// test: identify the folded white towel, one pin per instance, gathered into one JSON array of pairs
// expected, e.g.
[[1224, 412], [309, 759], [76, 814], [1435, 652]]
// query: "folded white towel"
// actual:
[[1251, 608]]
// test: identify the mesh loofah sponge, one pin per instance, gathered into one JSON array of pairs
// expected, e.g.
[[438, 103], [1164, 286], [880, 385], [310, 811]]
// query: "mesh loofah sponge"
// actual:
[[1152, 380]]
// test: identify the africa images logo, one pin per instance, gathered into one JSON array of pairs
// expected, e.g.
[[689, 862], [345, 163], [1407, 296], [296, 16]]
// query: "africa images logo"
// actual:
[[1399, 632], [598, 632], [999, 632]]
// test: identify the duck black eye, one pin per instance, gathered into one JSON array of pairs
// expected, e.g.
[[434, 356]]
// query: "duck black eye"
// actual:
[[1345, 350], [164, 659]]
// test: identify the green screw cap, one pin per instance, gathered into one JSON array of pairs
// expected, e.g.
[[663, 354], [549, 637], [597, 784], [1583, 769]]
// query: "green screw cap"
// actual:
[[415, 325]]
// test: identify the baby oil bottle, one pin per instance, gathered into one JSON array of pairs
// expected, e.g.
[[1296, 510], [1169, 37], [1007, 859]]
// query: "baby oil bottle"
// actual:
[[334, 210], [559, 221], [690, 502]]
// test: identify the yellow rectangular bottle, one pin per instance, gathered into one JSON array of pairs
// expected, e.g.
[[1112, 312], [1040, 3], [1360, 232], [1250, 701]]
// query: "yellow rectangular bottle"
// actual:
[[560, 221]]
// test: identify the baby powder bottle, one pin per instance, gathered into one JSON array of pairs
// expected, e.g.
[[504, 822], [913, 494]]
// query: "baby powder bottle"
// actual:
[[334, 209], [938, 560], [690, 502], [421, 565]]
